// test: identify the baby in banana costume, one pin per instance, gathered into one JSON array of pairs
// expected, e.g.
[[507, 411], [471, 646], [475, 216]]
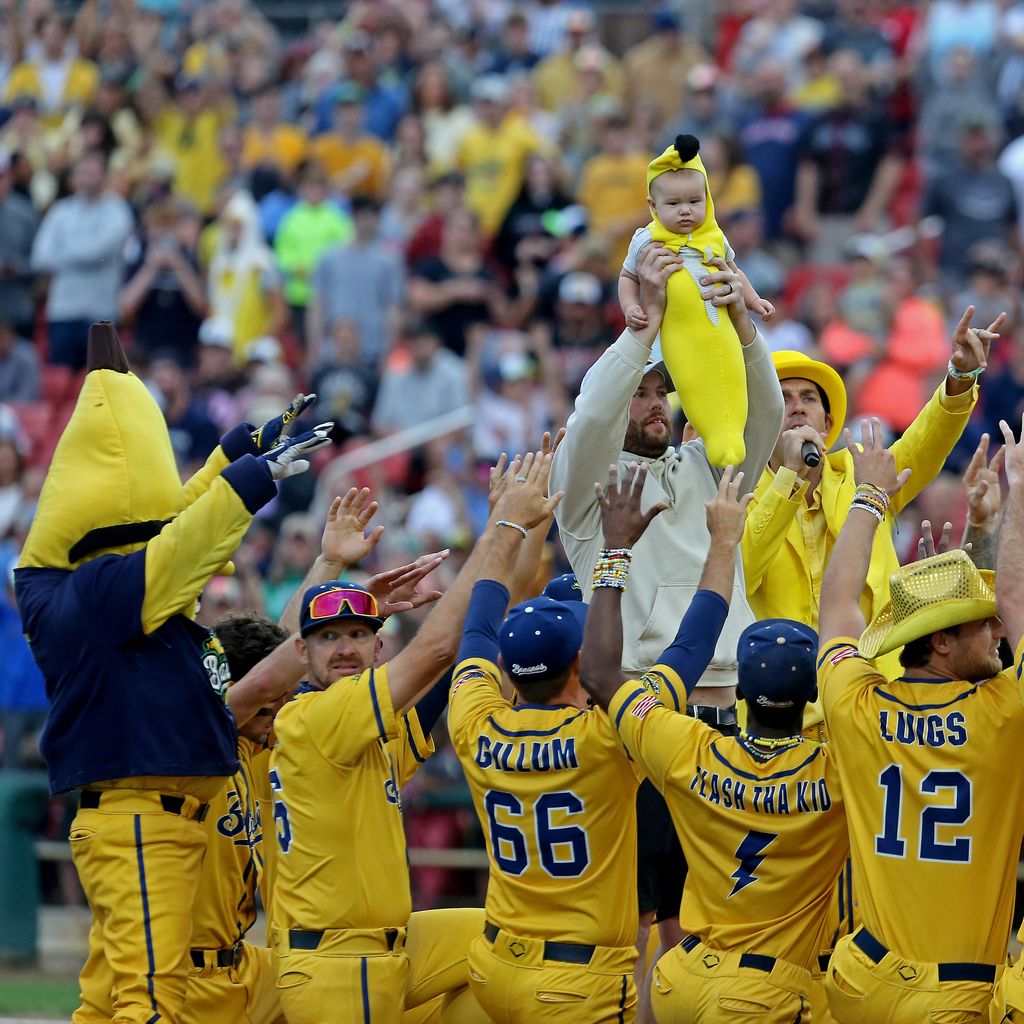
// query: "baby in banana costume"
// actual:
[[698, 341]]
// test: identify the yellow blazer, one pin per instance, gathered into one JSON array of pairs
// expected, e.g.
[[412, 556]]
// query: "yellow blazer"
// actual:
[[775, 561]]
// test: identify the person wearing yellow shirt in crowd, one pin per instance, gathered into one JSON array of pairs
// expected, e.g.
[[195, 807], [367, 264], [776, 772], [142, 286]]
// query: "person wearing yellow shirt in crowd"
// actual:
[[612, 189], [56, 79], [557, 78], [493, 153], [798, 510], [355, 161], [187, 132], [268, 139]]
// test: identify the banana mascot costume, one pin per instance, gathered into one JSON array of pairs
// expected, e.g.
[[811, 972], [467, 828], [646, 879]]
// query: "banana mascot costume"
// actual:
[[108, 583], [699, 344]]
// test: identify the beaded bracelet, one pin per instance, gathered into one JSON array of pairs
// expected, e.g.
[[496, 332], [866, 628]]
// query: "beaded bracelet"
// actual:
[[866, 507], [962, 374], [612, 568], [874, 496], [512, 526]]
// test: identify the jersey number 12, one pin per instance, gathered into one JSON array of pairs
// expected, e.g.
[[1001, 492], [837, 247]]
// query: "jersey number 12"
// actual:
[[890, 844]]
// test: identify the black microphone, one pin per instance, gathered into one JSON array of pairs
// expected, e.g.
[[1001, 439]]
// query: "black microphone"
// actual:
[[810, 454]]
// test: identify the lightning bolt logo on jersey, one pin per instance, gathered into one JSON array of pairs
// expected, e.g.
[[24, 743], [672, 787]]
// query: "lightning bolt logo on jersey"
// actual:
[[764, 841]]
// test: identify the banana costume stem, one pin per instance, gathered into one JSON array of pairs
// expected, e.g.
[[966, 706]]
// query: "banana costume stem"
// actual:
[[699, 344]]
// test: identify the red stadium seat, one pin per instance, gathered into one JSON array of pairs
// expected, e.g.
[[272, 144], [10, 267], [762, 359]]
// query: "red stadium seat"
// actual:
[[55, 383]]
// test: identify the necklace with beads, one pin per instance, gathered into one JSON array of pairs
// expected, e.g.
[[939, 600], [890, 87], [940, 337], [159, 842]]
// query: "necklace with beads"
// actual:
[[764, 748]]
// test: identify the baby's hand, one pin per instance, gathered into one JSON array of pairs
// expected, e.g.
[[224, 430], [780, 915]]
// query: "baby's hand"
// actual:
[[764, 309], [636, 318]]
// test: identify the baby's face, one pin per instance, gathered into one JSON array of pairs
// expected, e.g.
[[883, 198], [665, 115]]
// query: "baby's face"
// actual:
[[679, 198]]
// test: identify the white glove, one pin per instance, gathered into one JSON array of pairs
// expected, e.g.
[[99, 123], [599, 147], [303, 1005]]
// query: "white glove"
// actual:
[[288, 458]]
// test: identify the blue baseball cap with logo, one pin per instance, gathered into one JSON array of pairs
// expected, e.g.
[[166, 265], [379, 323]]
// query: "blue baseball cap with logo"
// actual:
[[777, 663], [564, 588], [337, 600], [541, 637]]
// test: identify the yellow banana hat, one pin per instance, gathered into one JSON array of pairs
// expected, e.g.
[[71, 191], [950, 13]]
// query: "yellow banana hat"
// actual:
[[113, 482]]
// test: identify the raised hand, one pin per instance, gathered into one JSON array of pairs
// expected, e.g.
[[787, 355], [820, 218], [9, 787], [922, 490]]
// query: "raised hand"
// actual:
[[873, 463], [1014, 450], [267, 436], [622, 521], [981, 480], [926, 546], [971, 344], [727, 512], [398, 590], [524, 500], [288, 458], [345, 541]]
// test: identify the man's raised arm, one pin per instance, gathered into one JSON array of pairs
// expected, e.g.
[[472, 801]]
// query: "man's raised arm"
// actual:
[[1010, 557]]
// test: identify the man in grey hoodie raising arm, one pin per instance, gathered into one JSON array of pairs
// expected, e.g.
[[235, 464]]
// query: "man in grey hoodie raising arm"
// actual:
[[622, 415]]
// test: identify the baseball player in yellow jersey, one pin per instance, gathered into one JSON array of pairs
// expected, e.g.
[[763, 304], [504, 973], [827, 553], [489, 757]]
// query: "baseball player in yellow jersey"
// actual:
[[935, 817], [343, 936], [555, 794], [232, 980], [759, 815]]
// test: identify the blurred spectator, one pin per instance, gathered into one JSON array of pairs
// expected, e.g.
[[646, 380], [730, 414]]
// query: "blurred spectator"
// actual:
[[1010, 80], [771, 135], [405, 211], [18, 225], [430, 384], [765, 272], [492, 154], [298, 546], [780, 33], [613, 188], [19, 364], [243, 282], [344, 385], [446, 193], [355, 161], [270, 140], [849, 171], [989, 287], [55, 76], [706, 110], [12, 489], [958, 94], [512, 53], [165, 295], [855, 27], [657, 69], [217, 378], [455, 289], [1011, 163], [23, 702], [580, 332], [557, 79], [193, 433], [526, 234], [1003, 396], [362, 281], [306, 232], [444, 120], [734, 183], [950, 23], [549, 22], [80, 244], [974, 198]]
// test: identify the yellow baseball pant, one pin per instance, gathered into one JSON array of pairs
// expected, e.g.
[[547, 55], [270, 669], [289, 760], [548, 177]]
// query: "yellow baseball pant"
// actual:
[[373, 976], [242, 993], [867, 983], [516, 979], [139, 862], [695, 984]]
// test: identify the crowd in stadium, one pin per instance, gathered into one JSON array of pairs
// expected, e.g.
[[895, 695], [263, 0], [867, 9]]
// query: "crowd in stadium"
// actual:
[[419, 212]]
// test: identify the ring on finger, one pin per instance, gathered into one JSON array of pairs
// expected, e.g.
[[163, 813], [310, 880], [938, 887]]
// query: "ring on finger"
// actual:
[[520, 479]]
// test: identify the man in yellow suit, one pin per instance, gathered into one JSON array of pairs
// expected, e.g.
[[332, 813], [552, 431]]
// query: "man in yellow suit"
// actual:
[[799, 508]]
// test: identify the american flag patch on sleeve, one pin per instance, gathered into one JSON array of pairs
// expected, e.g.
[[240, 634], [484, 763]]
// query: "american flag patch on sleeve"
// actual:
[[641, 707], [842, 654]]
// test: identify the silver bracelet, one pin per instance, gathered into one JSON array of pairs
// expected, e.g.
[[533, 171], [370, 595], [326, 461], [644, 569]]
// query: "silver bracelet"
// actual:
[[514, 526], [961, 375]]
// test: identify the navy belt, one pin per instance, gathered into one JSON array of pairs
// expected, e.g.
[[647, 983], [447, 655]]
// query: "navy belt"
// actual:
[[563, 952], [225, 957], [875, 951], [298, 938], [755, 961], [90, 800]]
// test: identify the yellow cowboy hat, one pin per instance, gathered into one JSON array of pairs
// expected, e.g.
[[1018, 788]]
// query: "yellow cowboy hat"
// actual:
[[927, 596], [789, 363]]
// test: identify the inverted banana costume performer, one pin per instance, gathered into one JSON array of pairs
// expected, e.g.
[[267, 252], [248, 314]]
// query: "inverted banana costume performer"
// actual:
[[698, 341], [108, 584]]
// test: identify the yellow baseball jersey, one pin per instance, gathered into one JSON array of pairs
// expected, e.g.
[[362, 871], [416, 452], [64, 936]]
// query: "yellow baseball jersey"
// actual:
[[764, 842], [224, 908], [934, 801], [556, 798], [342, 755]]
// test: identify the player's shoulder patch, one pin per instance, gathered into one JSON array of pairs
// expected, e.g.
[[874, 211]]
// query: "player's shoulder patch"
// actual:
[[838, 653], [643, 706], [470, 674]]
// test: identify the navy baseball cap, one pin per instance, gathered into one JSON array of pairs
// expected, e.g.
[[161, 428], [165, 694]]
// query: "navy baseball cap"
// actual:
[[337, 600], [564, 588], [540, 638], [777, 663]]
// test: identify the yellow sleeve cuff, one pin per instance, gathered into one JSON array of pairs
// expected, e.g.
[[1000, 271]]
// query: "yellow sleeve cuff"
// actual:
[[789, 485], [957, 403]]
